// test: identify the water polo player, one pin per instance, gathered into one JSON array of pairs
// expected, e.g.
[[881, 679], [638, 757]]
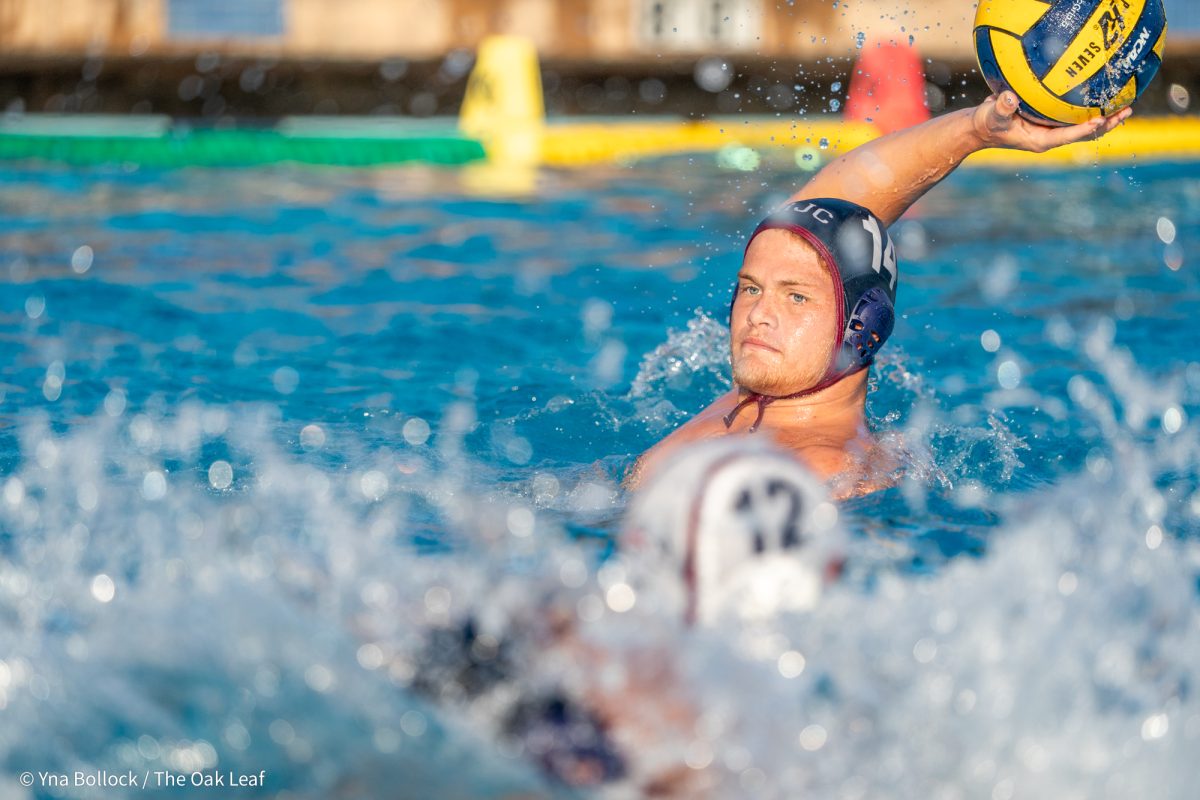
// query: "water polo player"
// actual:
[[730, 534], [815, 296]]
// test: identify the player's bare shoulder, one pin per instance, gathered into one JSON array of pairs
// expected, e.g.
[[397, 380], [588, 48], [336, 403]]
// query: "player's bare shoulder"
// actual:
[[708, 424], [868, 466], [827, 461], [851, 465]]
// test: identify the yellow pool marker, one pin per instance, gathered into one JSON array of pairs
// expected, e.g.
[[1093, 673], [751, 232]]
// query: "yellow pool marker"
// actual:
[[503, 108], [503, 105]]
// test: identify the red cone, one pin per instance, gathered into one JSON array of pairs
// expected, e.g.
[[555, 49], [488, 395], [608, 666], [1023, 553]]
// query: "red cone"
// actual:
[[887, 88]]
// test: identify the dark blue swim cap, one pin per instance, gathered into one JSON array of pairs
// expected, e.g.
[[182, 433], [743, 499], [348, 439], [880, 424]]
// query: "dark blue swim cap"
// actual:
[[854, 245]]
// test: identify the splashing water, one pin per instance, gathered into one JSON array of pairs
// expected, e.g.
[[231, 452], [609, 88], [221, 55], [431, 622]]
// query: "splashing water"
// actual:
[[691, 361], [1059, 663], [333, 542]]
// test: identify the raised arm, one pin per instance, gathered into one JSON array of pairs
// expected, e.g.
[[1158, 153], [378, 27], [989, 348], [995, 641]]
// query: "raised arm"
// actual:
[[891, 173]]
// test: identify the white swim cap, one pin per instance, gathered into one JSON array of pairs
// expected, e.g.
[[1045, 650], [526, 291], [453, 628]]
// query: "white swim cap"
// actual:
[[734, 526]]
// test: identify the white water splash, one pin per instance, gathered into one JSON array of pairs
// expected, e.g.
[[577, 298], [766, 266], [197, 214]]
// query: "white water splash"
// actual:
[[700, 353], [284, 622]]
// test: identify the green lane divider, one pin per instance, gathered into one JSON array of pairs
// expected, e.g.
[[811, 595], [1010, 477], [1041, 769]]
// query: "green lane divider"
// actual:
[[233, 148]]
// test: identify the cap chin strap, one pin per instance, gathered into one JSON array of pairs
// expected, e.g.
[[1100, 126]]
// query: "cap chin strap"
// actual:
[[765, 400]]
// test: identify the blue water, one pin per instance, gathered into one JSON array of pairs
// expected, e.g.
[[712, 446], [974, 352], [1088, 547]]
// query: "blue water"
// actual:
[[384, 366]]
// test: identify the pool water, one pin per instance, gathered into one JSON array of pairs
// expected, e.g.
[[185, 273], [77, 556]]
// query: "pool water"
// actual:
[[260, 429]]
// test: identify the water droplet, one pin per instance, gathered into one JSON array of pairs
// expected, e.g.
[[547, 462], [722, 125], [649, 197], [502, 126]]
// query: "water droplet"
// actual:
[[416, 431], [154, 485], [14, 492], [370, 656], [282, 732], [52, 385], [1154, 537], [1155, 727], [1178, 98], [319, 678], [81, 259], [413, 723], [813, 738], [103, 588], [620, 597], [220, 475], [312, 437], [437, 600], [652, 91], [589, 608], [1173, 256], [46, 454], [808, 158], [35, 305], [285, 380], [1009, 375], [573, 573], [713, 74], [791, 664], [114, 403], [1165, 229], [545, 487], [520, 522], [374, 484]]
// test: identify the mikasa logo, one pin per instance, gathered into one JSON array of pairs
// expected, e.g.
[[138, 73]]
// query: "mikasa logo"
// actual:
[[1142, 40]]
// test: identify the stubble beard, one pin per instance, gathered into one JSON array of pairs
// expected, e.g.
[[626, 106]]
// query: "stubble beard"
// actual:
[[765, 379], [771, 379]]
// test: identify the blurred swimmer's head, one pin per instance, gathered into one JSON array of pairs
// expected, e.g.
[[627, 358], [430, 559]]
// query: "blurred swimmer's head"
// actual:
[[734, 528], [814, 299]]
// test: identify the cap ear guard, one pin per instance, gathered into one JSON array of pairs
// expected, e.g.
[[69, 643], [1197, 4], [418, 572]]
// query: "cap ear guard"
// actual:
[[870, 325]]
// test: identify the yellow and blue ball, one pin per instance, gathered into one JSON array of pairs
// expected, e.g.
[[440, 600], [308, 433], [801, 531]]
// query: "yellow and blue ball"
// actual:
[[1070, 60]]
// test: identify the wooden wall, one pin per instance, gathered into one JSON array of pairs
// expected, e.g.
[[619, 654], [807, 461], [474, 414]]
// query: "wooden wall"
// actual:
[[369, 30]]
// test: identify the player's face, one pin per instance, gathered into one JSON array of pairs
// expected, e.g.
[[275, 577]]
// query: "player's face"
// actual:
[[784, 320]]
